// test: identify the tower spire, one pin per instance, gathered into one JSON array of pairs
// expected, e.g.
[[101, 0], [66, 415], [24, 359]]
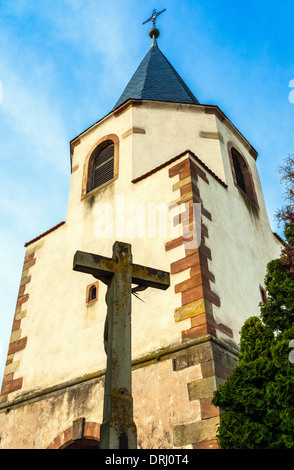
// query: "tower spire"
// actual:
[[155, 79]]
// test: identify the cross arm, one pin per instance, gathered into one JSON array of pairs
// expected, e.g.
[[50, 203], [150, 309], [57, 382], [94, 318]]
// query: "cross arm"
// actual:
[[149, 277], [99, 266]]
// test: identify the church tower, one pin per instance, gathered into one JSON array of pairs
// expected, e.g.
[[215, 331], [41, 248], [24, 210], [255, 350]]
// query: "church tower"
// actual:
[[176, 180]]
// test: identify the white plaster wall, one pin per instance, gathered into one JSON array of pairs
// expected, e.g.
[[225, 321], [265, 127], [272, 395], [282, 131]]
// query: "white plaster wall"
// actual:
[[170, 130]]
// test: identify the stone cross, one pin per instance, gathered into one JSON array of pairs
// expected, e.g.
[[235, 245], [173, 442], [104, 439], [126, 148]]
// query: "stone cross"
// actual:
[[118, 429]]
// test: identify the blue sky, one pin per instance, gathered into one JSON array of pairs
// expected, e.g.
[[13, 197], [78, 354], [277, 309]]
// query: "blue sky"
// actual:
[[64, 64]]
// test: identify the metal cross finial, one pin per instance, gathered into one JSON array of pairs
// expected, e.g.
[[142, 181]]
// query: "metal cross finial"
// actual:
[[153, 17]]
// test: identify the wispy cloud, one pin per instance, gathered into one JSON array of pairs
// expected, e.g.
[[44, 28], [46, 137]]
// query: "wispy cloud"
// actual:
[[31, 112]]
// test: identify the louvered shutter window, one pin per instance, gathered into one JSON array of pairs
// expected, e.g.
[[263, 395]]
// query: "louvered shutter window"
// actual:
[[103, 168], [239, 173]]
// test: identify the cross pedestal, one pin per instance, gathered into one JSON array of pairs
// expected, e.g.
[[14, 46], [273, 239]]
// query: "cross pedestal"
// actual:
[[118, 429]]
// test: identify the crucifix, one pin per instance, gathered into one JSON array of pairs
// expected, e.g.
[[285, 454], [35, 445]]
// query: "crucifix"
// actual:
[[154, 16], [118, 430]]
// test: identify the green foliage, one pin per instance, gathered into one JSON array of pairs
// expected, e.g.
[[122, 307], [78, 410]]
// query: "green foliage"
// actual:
[[289, 232], [278, 312], [257, 400], [255, 340]]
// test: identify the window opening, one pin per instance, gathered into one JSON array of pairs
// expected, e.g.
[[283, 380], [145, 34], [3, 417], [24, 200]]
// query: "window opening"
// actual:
[[93, 293], [238, 172], [103, 167]]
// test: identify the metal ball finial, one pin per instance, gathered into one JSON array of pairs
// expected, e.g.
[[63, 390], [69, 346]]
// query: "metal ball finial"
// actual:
[[154, 32]]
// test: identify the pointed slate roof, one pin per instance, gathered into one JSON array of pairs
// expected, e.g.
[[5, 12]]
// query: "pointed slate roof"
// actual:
[[156, 79]]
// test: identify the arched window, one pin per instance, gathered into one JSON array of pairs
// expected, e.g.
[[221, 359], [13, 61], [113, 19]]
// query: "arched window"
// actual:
[[103, 165], [242, 175], [92, 292]]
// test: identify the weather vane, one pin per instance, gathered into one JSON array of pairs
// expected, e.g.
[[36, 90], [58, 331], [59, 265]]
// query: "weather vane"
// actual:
[[153, 17]]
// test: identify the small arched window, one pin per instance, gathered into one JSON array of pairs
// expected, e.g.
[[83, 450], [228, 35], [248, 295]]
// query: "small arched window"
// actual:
[[242, 176], [92, 292], [103, 165]]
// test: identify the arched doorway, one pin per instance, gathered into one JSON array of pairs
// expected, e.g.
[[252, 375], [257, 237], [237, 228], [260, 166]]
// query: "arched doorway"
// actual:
[[81, 435], [82, 444]]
